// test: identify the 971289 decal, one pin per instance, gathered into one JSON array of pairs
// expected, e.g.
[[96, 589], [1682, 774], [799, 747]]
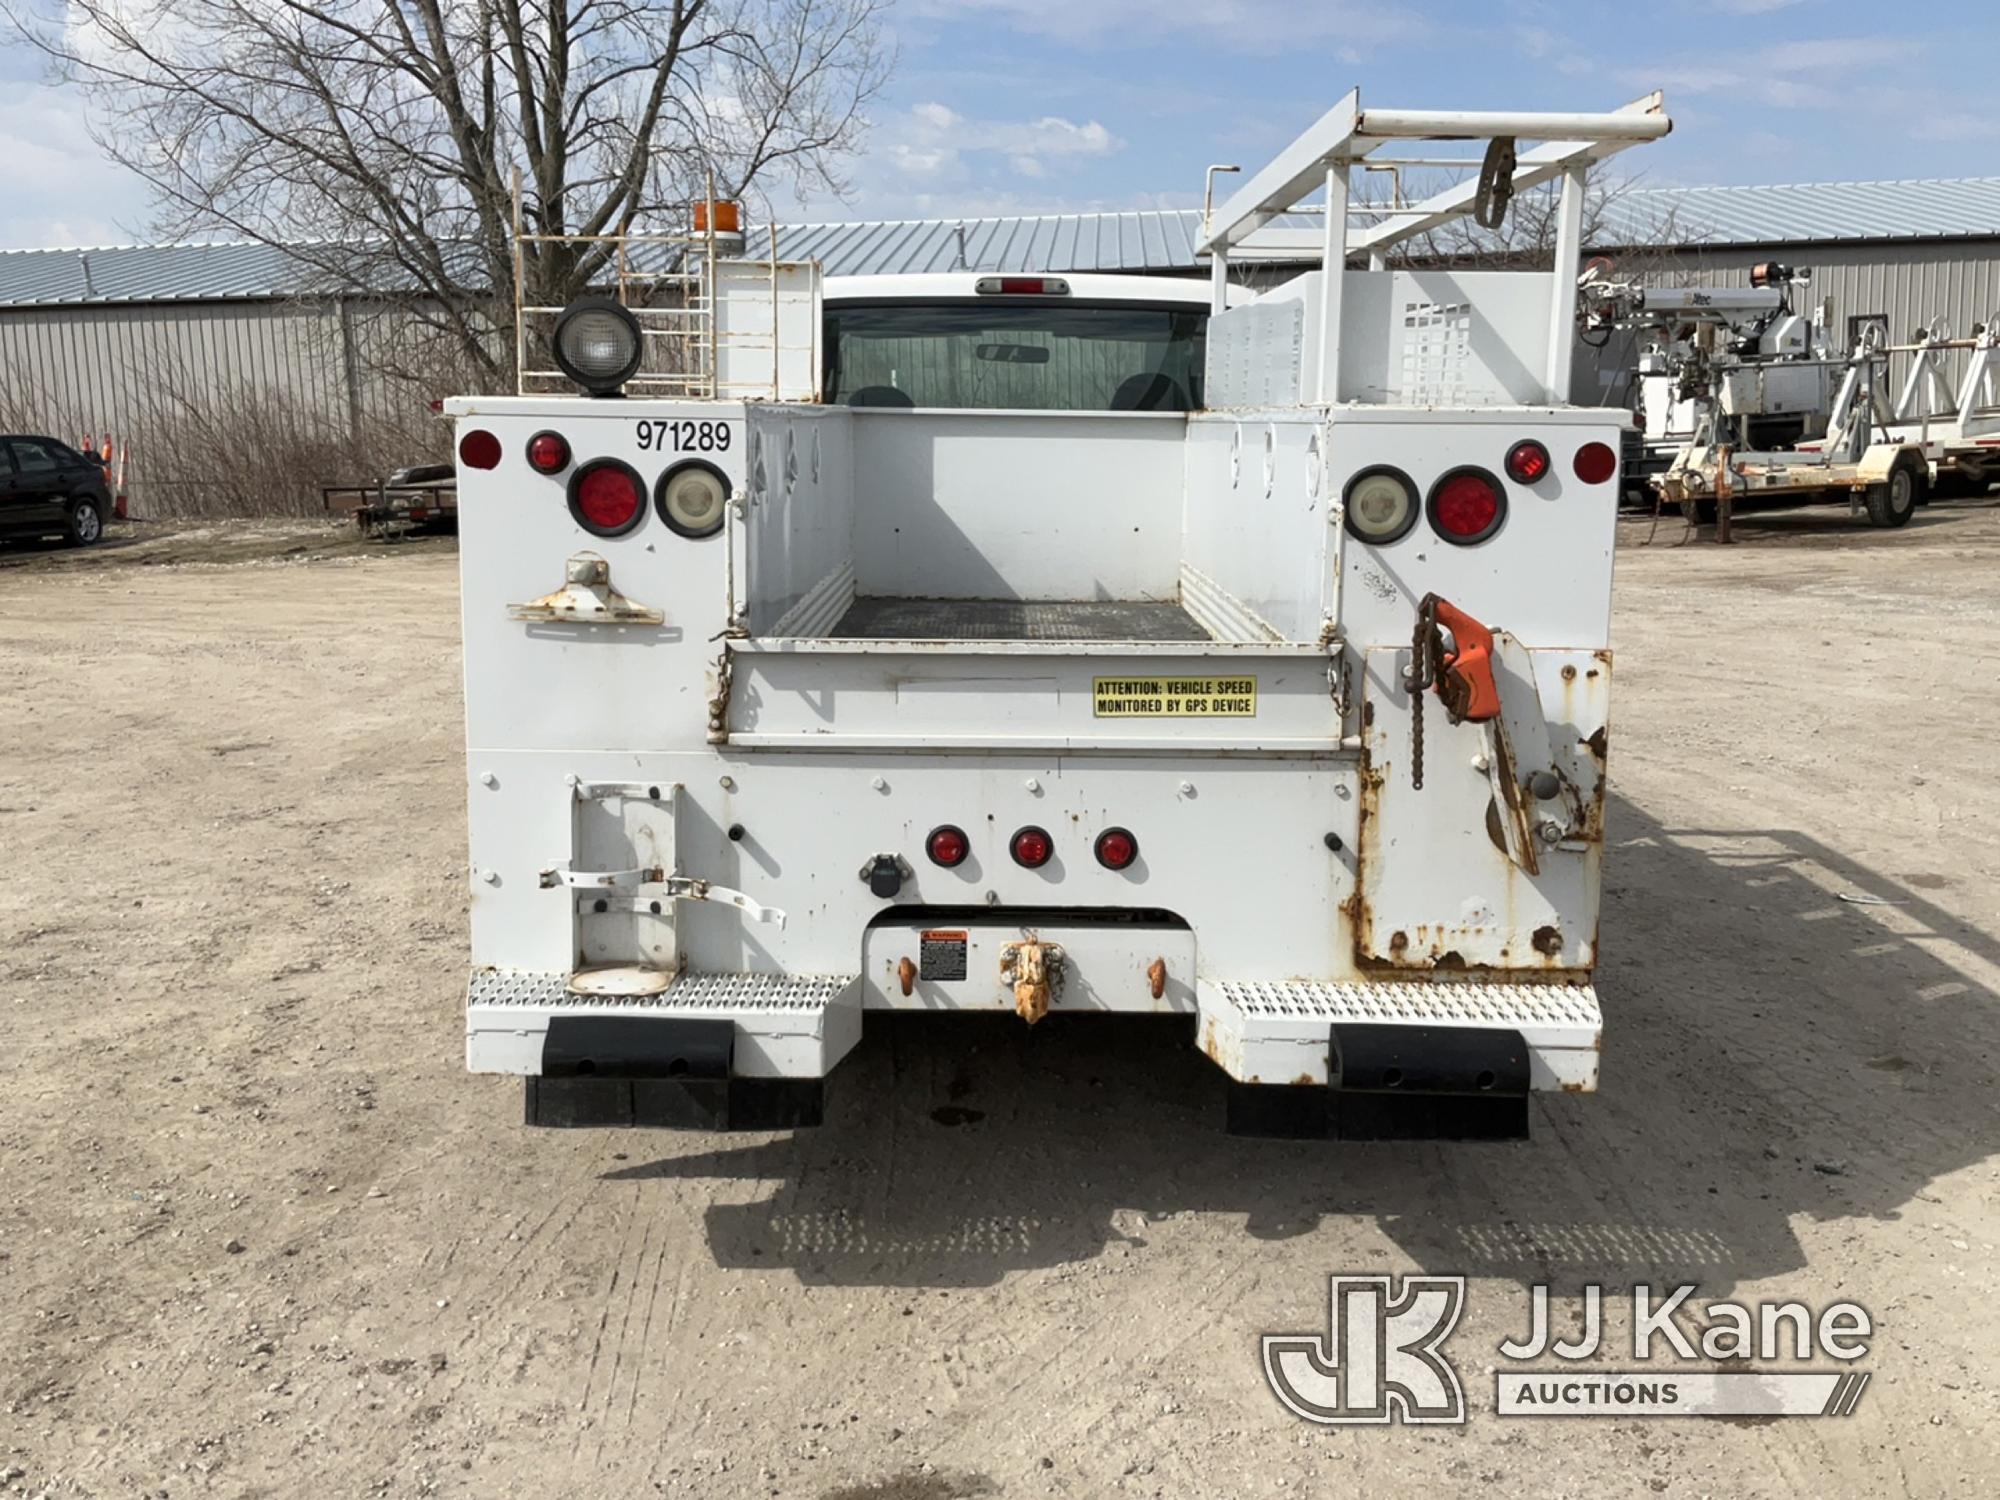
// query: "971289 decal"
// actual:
[[668, 435]]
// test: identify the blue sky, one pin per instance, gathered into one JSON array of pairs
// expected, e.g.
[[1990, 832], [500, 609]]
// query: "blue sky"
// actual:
[[1001, 106]]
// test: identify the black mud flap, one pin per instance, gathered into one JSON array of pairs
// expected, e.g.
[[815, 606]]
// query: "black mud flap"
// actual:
[[661, 1072], [1399, 1083]]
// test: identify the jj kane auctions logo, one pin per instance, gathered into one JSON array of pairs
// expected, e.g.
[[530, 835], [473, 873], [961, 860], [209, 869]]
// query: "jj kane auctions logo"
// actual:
[[1381, 1358]]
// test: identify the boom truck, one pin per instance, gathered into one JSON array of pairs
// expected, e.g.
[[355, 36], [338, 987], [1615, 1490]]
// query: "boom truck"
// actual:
[[1033, 642]]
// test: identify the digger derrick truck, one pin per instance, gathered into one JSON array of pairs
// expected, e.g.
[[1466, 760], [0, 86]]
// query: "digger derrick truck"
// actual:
[[1046, 643]]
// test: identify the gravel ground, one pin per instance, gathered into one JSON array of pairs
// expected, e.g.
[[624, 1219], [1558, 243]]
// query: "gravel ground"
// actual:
[[260, 1235]]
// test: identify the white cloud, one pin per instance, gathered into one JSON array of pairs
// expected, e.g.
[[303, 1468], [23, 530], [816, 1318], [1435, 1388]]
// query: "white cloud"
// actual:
[[1786, 75], [932, 146], [60, 189]]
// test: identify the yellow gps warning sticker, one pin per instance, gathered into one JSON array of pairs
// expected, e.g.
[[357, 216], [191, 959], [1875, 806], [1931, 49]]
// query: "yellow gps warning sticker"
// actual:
[[1174, 697]]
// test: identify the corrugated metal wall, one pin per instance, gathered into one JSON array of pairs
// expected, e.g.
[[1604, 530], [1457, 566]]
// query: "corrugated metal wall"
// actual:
[[1906, 285], [146, 373]]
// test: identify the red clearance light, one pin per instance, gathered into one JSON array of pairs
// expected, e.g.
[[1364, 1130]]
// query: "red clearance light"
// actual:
[[1032, 847], [1467, 506], [1528, 461], [1116, 848], [947, 846], [1021, 286], [479, 449], [1596, 462], [548, 453], [607, 497]]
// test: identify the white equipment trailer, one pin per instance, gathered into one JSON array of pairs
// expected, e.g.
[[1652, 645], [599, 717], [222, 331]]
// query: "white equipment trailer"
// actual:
[[789, 704]]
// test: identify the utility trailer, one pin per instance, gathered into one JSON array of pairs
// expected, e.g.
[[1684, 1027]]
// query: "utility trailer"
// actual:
[[1281, 717], [1957, 429]]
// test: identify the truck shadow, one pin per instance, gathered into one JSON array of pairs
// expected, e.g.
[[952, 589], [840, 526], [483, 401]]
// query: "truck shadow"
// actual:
[[1773, 1053]]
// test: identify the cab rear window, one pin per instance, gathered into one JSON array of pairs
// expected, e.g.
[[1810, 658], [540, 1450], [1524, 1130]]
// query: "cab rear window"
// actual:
[[1034, 356]]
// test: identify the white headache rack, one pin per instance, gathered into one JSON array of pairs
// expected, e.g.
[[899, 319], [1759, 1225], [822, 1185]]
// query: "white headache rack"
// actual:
[[1324, 158]]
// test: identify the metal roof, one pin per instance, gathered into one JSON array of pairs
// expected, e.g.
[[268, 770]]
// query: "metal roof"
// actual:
[[1142, 240], [1923, 208]]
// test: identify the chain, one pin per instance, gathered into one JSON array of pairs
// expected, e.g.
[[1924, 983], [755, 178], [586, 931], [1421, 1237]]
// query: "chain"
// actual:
[[1426, 654]]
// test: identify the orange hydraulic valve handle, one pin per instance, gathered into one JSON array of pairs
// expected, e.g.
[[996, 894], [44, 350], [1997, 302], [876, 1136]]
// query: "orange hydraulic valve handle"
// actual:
[[1466, 685]]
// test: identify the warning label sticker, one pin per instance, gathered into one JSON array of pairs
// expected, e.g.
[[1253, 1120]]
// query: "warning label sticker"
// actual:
[[1174, 697], [941, 955]]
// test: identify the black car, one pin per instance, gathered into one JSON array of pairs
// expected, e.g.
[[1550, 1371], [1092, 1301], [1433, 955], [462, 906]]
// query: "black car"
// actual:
[[47, 488]]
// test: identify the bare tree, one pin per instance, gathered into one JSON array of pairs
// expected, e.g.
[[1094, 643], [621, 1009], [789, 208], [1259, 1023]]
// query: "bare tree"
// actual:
[[377, 139]]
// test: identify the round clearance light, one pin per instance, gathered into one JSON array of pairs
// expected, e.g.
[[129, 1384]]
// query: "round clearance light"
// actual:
[[694, 497], [479, 449], [1116, 849], [607, 497], [1381, 505], [548, 453], [1595, 463], [1032, 847], [947, 846], [1467, 506], [598, 344], [1528, 461]]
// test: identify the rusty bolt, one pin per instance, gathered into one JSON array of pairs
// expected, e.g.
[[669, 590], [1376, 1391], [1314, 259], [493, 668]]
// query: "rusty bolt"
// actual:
[[1552, 832], [1569, 674], [728, 783]]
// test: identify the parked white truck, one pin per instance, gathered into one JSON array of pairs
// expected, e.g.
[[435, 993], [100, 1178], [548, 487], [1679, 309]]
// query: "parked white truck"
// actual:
[[1057, 643]]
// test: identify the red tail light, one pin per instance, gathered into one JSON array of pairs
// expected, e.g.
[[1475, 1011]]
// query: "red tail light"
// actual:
[[479, 449], [548, 453], [1032, 847], [1116, 848], [607, 497], [1527, 461], [947, 846], [1595, 463], [1467, 506]]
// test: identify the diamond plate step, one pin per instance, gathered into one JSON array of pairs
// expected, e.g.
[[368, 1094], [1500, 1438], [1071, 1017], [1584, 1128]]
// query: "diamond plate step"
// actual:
[[1276, 1031], [787, 1025]]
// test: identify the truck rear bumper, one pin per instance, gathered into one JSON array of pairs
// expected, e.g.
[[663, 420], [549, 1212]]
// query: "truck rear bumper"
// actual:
[[1355, 1059]]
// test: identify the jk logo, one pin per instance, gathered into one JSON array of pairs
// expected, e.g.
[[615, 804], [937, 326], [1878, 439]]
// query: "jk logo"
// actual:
[[1378, 1360]]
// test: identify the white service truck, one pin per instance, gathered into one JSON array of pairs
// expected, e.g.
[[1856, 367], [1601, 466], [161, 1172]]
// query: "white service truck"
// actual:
[[1058, 643]]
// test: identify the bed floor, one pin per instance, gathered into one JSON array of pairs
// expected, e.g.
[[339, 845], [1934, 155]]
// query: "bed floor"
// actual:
[[1016, 620]]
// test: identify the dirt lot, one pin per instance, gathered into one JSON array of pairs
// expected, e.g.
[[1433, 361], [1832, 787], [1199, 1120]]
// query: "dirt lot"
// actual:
[[260, 1235]]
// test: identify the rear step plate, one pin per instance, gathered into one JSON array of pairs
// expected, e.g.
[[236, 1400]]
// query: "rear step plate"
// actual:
[[786, 1026], [1279, 1031]]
